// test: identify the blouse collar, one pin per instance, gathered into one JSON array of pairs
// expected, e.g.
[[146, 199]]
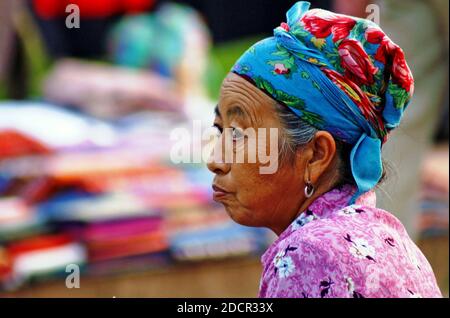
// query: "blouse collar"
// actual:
[[328, 203]]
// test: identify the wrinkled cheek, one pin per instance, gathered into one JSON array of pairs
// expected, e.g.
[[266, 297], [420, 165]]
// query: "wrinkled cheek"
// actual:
[[236, 204], [245, 206], [237, 213], [242, 211]]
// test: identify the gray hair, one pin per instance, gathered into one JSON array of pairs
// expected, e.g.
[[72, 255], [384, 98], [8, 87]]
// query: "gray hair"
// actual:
[[297, 133]]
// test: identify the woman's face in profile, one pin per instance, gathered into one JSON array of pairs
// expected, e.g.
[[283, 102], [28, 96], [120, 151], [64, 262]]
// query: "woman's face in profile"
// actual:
[[250, 196]]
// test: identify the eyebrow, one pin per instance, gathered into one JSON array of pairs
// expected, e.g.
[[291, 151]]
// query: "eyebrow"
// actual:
[[233, 111], [236, 111], [217, 111]]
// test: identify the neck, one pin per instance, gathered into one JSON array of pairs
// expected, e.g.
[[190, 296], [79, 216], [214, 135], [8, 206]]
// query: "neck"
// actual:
[[306, 202]]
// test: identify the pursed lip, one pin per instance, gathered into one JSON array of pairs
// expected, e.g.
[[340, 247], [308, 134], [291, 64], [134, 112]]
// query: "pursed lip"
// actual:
[[219, 192]]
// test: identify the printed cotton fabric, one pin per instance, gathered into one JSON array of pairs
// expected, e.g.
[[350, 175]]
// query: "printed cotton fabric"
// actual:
[[336, 250]]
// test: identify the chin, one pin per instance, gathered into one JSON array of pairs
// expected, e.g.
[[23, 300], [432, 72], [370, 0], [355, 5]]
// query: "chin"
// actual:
[[240, 217]]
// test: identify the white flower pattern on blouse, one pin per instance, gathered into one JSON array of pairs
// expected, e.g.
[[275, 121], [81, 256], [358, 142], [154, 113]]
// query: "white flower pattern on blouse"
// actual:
[[303, 219], [284, 265], [350, 285], [351, 288], [351, 210], [360, 248], [412, 257]]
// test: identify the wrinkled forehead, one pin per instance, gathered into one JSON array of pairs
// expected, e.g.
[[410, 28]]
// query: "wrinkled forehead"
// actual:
[[237, 84], [240, 98]]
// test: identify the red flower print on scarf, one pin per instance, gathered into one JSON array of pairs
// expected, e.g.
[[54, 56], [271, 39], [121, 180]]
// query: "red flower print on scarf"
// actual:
[[386, 49], [401, 74], [323, 23], [392, 55], [374, 35], [285, 26], [356, 63], [280, 69]]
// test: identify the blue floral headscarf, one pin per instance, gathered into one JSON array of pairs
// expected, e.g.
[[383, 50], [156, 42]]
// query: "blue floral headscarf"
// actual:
[[338, 73]]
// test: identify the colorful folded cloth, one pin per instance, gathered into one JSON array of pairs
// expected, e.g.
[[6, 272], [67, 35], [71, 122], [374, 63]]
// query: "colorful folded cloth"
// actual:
[[105, 198], [216, 242], [87, 207], [44, 254], [131, 237], [16, 144], [129, 264], [131, 245], [52, 126], [109, 91], [18, 220]]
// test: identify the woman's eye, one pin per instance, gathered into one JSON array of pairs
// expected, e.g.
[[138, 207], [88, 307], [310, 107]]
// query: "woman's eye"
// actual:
[[237, 134], [219, 130]]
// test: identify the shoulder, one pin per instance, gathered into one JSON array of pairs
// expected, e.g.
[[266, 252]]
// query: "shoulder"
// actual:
[[331, 232], [321, 257], [350, 253], [301, 266]]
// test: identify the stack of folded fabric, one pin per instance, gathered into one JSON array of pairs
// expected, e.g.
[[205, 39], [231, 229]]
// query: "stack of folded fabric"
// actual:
[[105, 196], [136, 242], [217, 241], [18, 220], [44, 255], [107, 91], [115, 239]]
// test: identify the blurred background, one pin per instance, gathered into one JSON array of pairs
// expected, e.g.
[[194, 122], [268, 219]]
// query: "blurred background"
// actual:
[[85, 121]]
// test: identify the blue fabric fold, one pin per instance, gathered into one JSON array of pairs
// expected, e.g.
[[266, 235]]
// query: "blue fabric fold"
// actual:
[[366, 164]]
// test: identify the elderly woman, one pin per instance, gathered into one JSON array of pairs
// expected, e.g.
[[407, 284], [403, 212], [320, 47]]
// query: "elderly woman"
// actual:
[[335, 86]]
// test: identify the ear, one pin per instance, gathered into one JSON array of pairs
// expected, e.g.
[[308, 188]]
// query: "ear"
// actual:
[[320, 155]]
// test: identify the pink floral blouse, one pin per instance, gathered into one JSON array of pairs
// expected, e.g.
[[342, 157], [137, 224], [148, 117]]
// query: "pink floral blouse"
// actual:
[[335, 250]]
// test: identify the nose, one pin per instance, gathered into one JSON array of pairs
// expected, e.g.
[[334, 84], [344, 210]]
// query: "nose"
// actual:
[[216, 163]]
